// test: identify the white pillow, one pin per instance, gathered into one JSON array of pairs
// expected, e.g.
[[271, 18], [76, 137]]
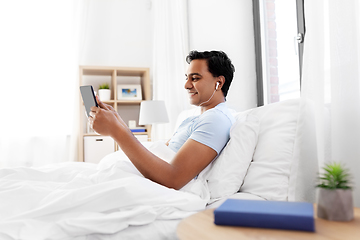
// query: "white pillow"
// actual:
[[269, 172], [161, 150], [227, 172]]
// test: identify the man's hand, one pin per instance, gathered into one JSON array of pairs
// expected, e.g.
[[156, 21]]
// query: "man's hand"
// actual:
[[105, 120]]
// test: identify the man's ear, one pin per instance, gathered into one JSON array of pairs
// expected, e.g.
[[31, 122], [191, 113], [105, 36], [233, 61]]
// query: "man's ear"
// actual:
[[221, 80]]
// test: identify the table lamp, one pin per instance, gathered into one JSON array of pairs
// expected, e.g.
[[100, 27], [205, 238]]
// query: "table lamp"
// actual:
[[153, 112]]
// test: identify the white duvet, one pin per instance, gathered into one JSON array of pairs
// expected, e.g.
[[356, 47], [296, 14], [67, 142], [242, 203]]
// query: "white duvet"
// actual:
[[73, 200]]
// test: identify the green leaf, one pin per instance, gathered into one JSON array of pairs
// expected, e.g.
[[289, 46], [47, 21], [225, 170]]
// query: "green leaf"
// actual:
[[334, 176], [104, 86]]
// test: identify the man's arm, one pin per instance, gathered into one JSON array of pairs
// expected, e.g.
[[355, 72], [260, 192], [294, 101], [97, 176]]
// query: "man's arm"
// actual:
[[189, 161]]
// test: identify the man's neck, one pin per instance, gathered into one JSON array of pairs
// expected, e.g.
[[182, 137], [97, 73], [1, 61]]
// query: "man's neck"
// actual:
[[210, 106]]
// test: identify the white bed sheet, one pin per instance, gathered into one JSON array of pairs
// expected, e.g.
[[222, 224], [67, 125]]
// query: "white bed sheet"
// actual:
[[89, 201], [164, 229], [157, 230]]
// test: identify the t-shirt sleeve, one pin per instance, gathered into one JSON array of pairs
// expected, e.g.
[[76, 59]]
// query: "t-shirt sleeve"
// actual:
[[212, 130]]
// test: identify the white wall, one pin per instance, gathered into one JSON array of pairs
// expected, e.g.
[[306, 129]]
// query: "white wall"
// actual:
[[119, 33], [227, 25]]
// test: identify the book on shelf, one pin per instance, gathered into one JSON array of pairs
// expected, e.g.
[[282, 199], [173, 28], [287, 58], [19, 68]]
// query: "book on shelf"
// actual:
[[266, 214], [138, 129]]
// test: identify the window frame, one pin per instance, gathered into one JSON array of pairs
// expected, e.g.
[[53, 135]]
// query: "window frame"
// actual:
[[258, 50]]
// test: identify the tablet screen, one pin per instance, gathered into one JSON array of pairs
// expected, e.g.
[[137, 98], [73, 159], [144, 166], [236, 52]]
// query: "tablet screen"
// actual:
[[88, 96]]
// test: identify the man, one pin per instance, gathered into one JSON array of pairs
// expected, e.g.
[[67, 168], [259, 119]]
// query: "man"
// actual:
[[198, 140]]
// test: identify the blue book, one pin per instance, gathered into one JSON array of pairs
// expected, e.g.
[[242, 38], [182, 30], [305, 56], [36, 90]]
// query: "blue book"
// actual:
[[137, 129], [266, 214]]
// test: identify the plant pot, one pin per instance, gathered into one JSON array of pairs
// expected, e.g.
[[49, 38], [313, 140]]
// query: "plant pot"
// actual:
[[104, 94], [335, 205]]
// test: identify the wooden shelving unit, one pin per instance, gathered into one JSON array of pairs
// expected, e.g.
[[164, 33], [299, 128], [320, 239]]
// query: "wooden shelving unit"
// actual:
[[96, 75]]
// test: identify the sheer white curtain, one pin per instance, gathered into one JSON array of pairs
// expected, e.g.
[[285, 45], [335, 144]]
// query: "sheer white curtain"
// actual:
[[170, 49], [39, 63], [331, 79]]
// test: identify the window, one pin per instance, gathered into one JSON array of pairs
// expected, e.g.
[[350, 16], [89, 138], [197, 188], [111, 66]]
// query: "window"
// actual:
[[279, 36]]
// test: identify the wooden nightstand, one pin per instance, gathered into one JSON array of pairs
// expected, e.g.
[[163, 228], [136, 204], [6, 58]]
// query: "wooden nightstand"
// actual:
[[201, 226]]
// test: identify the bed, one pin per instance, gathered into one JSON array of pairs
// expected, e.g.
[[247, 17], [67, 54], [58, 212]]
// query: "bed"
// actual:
[[271, 156]]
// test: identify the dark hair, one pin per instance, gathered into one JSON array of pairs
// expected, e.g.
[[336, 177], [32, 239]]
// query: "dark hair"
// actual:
[[219, 64]]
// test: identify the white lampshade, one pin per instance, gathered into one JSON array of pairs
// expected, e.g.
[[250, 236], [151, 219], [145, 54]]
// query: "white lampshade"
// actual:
[[153, 112]]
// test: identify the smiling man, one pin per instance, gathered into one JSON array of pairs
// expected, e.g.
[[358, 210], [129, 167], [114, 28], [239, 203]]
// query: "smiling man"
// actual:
[[198, 140], [213, 69], [207, 81]]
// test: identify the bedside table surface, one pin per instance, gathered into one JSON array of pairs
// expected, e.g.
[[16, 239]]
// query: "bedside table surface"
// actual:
[[201, 226]]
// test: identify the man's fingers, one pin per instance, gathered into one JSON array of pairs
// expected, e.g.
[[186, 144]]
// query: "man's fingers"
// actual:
[[111, 108], [91, 122], [101, 104], [94, 109], [104, 106], [93, 113]]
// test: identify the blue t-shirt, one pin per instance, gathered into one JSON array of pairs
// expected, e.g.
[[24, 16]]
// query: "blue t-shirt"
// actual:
[[212, 128]]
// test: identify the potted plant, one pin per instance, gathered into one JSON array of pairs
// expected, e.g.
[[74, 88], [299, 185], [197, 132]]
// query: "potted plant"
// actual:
[[335, 201], [104, 92]]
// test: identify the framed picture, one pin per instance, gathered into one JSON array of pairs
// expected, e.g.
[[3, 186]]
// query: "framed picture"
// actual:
[[129, 92]]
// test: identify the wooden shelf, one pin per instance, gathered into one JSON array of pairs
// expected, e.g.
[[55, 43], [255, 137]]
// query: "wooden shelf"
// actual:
[[109, 102], [95, 134], [140, 133], [90, 134], [128, 102], [123, 101]]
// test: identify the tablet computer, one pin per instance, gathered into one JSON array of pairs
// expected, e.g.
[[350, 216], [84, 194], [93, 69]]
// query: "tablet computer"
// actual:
[[89, 99]]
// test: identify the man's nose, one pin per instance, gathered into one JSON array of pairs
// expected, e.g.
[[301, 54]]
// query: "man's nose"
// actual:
[[188, 84]]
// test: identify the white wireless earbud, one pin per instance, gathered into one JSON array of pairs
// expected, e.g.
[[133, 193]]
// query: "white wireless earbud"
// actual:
[[217, 85]]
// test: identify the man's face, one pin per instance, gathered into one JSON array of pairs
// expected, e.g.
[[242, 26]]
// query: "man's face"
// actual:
[[200, 83]]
